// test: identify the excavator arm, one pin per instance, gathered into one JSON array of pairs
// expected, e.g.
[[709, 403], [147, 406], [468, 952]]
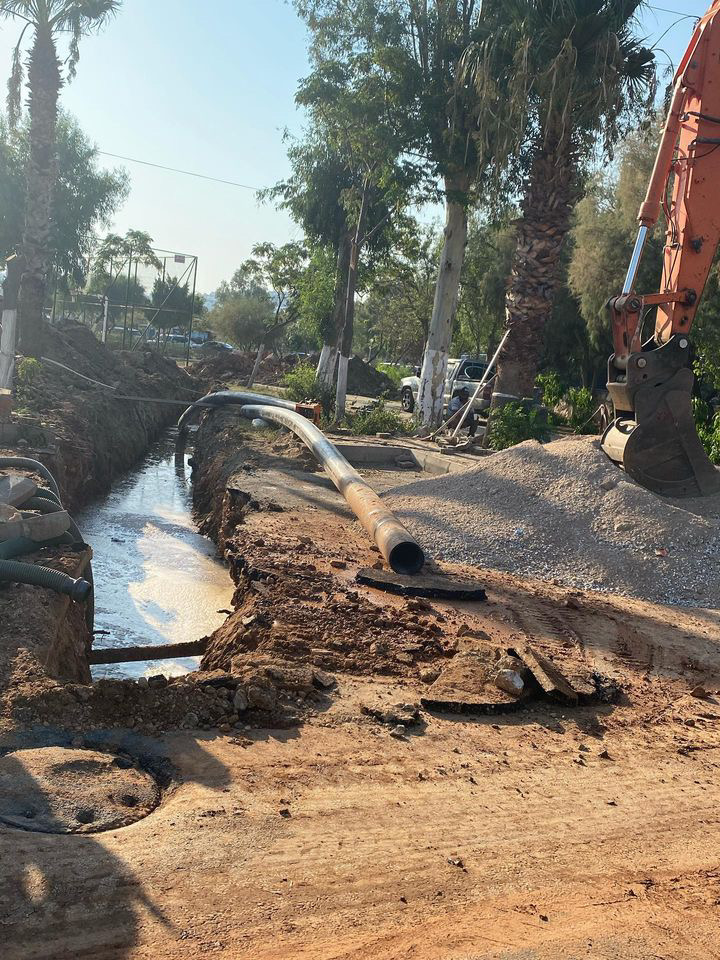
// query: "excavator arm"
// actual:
[[653, 435]]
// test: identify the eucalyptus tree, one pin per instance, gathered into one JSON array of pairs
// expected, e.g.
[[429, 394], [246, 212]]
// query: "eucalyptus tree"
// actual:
[[572, 72], [356, 108], [313, 194], [416, 47], [47, 21]]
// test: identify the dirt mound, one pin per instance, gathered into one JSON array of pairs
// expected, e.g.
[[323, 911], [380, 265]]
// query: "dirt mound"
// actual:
[[82, 431], [563, 512], [363, 379], [238, 366], [366, 381]]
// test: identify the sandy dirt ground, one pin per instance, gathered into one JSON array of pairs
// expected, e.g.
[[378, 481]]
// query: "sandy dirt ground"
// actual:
[[551, 832]]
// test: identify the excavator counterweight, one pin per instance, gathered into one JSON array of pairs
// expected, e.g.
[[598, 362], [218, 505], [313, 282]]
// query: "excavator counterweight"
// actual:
[[653, 435]]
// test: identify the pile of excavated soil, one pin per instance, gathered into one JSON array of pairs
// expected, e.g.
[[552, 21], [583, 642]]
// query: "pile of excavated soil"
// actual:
[[563, 512], [363, 379], [238, 366], [81, 431], [366, 381]]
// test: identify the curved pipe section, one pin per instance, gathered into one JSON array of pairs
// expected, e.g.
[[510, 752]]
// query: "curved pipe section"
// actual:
[[224, 397], [399, 548], [38, 576], [44, 501], [25, 463]]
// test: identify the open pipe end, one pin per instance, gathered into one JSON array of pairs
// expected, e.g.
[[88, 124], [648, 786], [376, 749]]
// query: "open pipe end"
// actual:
[[407, 557], [80, 590]]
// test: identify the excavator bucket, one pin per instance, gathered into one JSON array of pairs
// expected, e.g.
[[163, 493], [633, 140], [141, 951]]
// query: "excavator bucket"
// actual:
[[659, 446]]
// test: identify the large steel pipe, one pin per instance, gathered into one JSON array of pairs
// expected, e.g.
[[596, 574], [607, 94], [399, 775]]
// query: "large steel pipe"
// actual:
[[398, 547]]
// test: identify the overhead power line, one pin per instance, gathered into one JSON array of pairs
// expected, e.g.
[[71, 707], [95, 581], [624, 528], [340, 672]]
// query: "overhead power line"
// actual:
[[187, 173]]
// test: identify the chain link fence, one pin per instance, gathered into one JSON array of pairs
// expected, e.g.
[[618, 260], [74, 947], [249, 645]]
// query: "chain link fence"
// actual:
[[144, 299]]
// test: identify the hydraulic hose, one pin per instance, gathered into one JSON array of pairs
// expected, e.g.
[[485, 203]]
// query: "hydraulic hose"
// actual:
[[38, 576], [25, 463], [399, 548]]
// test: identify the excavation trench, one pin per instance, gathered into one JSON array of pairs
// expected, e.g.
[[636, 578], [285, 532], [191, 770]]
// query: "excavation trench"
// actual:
[[157, 580]]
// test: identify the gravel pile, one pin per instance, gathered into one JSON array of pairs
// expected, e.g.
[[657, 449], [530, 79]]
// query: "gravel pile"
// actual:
[[563, 512]]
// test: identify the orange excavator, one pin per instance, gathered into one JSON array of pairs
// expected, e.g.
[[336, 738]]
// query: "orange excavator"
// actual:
[[653, 435]]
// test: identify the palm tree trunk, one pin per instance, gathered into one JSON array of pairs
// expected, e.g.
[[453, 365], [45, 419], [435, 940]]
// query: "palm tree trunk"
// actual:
[[535, 276], [435, 359], [44, 82]]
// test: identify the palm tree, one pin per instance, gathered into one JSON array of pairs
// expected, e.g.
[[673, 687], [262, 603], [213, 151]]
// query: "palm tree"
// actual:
[[573, 71], [47, 20]]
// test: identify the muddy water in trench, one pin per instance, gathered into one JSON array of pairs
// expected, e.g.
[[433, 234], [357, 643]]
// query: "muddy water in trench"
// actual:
[[156, 579]]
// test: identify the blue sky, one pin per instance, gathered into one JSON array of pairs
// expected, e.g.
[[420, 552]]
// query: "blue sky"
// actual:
[[210, 88]]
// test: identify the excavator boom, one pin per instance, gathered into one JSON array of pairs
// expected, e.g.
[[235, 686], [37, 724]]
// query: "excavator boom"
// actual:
[[653, 434]]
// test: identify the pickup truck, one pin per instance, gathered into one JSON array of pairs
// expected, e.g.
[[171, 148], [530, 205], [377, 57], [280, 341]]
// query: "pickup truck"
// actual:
[[463, 372]]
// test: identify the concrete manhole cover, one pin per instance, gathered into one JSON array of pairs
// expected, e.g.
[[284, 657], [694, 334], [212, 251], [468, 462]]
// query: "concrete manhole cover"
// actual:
[[58, 790]]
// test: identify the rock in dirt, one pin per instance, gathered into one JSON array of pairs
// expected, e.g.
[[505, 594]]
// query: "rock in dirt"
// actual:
[[322, 680], [397, 715], [510, 681]]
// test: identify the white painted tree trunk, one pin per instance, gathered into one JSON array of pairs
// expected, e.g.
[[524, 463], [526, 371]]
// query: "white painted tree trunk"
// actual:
[[435, 359], [7, 348], [256, 365], [325, 373], [8, 339], [341, 391]]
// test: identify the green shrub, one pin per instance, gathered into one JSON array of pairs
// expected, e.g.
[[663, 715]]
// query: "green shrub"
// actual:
[[396, 374], [708, 428], [302, 384], [515, 423], [552, 388], [26, 373], [377, 419], [582, 407]]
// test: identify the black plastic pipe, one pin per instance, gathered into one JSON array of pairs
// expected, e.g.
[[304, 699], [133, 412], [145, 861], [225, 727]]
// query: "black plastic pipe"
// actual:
[[25, 463], [223, 398], [37, 576]]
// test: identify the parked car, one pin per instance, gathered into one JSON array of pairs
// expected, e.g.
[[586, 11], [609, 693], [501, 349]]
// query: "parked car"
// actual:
[[215, 346], [463, 372]]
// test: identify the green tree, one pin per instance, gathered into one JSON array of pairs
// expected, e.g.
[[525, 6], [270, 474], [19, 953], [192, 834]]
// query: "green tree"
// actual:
[[46, 19], [173, 304], [572, 70], [604, 232], [262, 298], [395, 313], [243, 319], [444, 120], [356, 109], [85, 197], [603, 237], [481, 309], [114, 272], [313, 195]]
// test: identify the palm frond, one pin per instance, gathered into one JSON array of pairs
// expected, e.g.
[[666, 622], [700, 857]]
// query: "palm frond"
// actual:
[[79, 18], [15, 82]]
